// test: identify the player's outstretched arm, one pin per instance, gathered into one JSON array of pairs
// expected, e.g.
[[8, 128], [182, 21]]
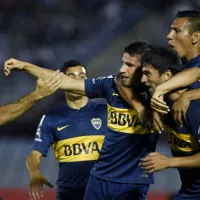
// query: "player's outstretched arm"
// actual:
[[76, 86], [36, 179], [14, 64], [180, 80], [46, 85]]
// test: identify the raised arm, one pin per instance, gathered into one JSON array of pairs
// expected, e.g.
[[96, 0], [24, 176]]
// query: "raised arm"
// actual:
[[180, 107], [71, 84], [46, 85], [180, 80]]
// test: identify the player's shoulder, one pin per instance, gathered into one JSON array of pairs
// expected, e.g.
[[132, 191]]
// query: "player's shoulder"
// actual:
[[108, 79]]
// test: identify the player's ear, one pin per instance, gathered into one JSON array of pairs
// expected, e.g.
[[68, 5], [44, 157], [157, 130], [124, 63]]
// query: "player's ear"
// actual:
[[168, 74], [195, 37]]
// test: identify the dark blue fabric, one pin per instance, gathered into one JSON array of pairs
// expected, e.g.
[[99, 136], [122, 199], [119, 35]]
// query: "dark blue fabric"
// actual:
[[98, 189], [121, 151]]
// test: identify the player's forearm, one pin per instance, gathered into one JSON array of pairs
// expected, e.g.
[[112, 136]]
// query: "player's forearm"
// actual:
[[32, 163], [74, 85], [11, 111], [185, 162], [35, 70], [192, 94], [180, 80]]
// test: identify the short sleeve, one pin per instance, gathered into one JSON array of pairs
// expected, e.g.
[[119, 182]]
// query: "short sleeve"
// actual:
[[98, 87], [43, 137]]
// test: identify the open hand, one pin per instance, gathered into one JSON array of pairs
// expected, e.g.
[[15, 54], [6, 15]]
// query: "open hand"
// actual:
[[36, 185]]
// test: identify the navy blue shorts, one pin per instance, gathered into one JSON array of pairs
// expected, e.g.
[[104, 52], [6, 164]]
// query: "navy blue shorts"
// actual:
[[65, 193], [99, 189]]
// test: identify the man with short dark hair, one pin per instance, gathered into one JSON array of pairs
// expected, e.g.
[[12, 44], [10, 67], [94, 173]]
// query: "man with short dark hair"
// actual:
[[76, 133], [159, 65], [184, 38]]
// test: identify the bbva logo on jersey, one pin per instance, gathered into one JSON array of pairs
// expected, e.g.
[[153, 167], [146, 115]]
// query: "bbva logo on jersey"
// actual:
[[96, 122]]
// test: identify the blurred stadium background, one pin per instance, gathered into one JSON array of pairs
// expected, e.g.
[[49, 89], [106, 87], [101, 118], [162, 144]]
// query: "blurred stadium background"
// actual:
[[49, 32]]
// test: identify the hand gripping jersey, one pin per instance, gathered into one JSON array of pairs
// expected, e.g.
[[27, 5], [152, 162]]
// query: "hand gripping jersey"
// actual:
[[185, 141], [195, 62], [126, 140], [76, 137]]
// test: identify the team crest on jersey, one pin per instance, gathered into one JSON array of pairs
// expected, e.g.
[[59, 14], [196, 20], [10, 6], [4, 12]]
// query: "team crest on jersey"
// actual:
[[96, 122]]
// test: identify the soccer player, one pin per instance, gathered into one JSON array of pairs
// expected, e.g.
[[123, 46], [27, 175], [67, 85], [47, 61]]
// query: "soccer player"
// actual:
[[46, 85], [116, 174], [76, 133], [184, 38], [159, 65]]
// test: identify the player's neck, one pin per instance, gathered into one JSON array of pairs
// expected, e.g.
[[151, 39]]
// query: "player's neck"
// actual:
[[173, 96], [77, 103], [192, 54]]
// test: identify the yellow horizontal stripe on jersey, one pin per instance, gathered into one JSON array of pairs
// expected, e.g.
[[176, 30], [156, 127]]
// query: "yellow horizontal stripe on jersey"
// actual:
[[76, 149], [125, 120], [180, 141]]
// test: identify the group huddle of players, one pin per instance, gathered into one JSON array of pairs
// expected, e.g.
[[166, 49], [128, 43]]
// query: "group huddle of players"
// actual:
[[107, 152]]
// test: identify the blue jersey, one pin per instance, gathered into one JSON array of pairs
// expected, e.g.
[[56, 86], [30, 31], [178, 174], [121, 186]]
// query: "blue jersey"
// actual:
[[195, 62], [185, 141], [126, 140], [76, 137]]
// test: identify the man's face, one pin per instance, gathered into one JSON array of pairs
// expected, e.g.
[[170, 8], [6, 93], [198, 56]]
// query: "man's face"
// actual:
[[76, 72], [179, 37], [152, 78], [130, 70]]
